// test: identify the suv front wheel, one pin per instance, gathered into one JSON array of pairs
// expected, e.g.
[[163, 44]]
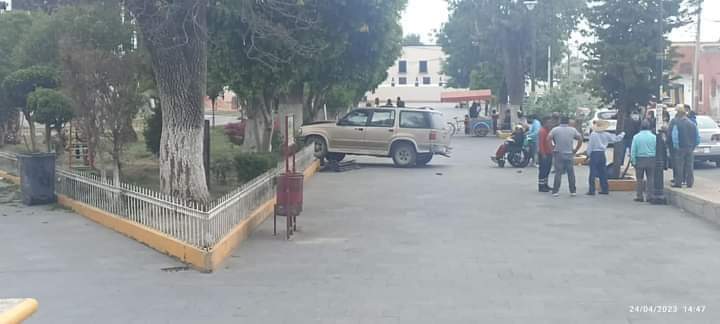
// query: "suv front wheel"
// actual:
[[404, 155]]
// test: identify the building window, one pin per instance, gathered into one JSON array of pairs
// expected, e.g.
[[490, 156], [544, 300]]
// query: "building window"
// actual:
[[423, 67], [427, 80], [402, 67], [402, 80]]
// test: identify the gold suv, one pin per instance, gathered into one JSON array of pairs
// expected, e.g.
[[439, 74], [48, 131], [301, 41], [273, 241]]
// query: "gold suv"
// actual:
[[410, 136]]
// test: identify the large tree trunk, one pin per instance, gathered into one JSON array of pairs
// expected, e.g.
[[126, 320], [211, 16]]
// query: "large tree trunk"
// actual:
[[176, 37], [48, 137], [514, 78], [33, 140], [619, 148], [3, 131]]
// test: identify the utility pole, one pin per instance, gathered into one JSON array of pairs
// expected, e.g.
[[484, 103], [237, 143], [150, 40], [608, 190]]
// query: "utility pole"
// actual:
[[550, 67], [696, 61], [530, 5]]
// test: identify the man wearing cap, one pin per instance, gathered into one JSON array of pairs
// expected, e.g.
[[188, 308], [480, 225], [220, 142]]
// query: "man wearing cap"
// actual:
[[561, 140], [642, 156], [597, 145]]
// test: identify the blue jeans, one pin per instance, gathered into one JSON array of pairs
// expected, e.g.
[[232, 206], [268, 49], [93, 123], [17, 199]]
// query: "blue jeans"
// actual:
[[598, 169], [564, 163]]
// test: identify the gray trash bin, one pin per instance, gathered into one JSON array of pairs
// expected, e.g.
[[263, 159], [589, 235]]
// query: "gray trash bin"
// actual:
[[37, 178]]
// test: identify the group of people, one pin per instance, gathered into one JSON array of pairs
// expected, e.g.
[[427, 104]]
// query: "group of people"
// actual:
[[553, 143]]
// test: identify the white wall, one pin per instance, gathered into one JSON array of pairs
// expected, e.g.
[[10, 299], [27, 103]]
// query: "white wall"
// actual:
[[412, 55]]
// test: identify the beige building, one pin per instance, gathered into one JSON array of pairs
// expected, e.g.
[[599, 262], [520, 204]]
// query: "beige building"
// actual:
[[415, 77]]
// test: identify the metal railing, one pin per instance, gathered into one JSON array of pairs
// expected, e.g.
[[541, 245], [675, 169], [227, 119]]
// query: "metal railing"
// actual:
[[199, 225]]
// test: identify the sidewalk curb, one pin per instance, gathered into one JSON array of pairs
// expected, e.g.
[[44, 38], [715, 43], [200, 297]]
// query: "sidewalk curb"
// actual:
[[20, 312], [694, 203]]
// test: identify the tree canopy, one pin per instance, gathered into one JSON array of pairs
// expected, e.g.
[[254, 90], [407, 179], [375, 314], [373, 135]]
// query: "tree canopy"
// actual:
[[631, 39], [412, 40], [492, 41]]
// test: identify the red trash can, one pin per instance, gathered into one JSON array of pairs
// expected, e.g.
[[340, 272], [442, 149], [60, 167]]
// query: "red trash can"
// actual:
[[290, 194]]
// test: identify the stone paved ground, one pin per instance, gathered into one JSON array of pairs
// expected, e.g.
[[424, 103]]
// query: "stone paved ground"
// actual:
[[457, 242]]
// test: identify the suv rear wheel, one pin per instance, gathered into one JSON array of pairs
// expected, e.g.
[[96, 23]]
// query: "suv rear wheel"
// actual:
[[424, 159], [404, 155]]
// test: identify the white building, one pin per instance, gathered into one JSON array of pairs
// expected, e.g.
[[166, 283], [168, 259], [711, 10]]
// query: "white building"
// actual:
[[415, 77]]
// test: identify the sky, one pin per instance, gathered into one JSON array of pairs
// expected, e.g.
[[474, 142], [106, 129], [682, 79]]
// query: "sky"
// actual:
[[423, 16]]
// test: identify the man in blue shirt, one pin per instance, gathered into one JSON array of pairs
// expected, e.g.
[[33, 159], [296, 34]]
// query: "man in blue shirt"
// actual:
[[597, 145], [642, 156], [532, 138]]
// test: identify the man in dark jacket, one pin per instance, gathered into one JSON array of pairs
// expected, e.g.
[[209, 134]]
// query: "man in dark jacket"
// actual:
[[684, 138]]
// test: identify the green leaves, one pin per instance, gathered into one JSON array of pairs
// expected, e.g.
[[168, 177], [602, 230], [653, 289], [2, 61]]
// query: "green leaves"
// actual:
[[19, 84], [624, 62], [50, 107]]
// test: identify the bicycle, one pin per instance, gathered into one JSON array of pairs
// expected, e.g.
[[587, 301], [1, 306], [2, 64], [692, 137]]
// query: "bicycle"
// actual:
[[458, 126]]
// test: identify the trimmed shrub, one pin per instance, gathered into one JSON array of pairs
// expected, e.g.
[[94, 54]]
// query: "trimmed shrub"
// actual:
[[221, 168], [249, 166], [236, 132]]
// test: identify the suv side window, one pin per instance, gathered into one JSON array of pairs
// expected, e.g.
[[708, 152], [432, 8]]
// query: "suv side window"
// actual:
[[356, 118], [414, 119], [383, 118]]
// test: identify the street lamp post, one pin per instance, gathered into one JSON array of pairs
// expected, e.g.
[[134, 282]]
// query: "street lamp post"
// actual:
[[530, 5]]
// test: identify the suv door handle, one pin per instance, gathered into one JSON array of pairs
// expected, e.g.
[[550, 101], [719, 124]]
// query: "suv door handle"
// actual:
[[359, 129], [391, 130]]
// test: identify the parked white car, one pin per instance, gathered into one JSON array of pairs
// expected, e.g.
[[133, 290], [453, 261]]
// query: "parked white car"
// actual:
[[709, 148], [604, 114]]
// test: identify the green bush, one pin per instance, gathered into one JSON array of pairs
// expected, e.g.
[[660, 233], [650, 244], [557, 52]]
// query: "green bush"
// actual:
[[153, 130], [221, 168], [249, 166]]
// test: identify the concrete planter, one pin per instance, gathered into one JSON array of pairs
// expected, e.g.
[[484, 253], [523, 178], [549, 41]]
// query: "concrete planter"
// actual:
[[627, 184]]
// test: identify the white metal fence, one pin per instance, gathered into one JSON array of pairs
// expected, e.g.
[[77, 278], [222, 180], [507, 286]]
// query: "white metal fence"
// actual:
[[199, 225]]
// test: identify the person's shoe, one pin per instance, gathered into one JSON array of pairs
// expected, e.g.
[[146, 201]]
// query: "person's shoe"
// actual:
[[674, 186], [688, 186], [639, 200], [573, 194], [543, 189], [494, 159], [555, 194], [590, 193], [604, 193]]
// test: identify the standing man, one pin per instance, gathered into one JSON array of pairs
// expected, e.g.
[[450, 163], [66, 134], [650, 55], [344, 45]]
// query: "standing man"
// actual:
[[597, 147], [545, 154], [642, 156], [532, 138], [474, 112], [685, 137], [561, 140], [495, 118]]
